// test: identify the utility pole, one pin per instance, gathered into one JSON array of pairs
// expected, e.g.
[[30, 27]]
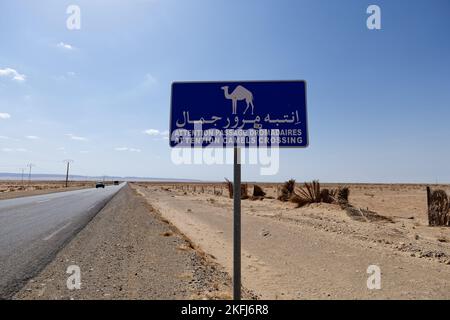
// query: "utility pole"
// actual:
[[68, 162], [30, 165], [23, 170], [237, 224]]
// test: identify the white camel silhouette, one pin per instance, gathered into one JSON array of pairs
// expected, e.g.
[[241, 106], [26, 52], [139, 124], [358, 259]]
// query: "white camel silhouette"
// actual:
[[240, 93]]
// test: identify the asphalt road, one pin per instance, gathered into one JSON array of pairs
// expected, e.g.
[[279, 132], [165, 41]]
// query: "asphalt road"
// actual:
[[33, 229]]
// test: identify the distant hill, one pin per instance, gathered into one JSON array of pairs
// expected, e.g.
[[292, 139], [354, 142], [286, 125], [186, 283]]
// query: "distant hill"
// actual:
[[57, 177]]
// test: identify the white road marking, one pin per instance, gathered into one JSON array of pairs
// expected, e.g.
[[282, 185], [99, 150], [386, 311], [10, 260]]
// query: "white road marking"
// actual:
[[91, 207], [56, 232], [42, 201]]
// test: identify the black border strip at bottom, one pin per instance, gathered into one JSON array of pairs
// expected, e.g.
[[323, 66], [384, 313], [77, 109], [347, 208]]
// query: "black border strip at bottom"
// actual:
[[258, 309]]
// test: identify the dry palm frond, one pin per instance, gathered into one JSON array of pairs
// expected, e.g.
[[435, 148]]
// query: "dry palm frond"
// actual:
[[230, 188], [299, 200], [310, 193], [314, 190], [326, 196], [365, 215]]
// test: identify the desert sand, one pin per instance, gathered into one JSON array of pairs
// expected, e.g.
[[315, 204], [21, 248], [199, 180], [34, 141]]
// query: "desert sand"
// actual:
[[15, 189], [317, 251]]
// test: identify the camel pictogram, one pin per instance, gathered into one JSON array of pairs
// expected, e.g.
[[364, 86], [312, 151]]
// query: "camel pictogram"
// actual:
[[239, 93]]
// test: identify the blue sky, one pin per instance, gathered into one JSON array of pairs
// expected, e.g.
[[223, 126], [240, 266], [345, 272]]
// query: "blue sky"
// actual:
[[378, 100]]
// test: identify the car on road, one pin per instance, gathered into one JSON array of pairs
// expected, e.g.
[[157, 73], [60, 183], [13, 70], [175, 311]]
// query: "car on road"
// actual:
[[116, 183], [100, 185]]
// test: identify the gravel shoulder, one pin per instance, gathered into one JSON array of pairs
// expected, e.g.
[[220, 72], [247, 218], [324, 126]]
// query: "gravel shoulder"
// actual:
[[129, 252]]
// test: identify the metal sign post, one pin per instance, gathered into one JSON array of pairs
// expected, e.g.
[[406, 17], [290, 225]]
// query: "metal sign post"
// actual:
[[237, 225]]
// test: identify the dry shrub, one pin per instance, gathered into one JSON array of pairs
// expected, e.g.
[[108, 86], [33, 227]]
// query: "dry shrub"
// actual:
[[258, 191], [244, 189], [342, 196], [438, 210], [286, 191]]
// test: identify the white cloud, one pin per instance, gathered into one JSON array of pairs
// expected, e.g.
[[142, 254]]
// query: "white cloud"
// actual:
[[75, 137], [165, 135], [145, 85], [158, 135], [13, 74], [32, 137], [121, 149], [5, 116], [149, 80], [65, 46], [4, 138], [14, 150], [152, 132], [66, 76]]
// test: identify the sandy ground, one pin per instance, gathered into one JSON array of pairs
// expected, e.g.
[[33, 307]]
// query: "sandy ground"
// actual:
[[129, 252], [15, 189], [317, 251]]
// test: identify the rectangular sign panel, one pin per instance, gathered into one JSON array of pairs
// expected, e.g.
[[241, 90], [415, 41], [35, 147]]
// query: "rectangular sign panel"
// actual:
[[239, 113]]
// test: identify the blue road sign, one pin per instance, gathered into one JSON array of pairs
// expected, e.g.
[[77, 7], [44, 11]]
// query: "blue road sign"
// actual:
[[239, 113]]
